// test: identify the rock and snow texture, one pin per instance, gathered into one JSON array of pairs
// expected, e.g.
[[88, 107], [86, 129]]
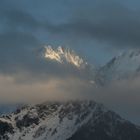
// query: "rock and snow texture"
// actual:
[[71, 120], [64, 55]]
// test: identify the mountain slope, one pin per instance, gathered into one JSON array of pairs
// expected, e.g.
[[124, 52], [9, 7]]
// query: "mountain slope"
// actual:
[[73, 120], [122, 67]]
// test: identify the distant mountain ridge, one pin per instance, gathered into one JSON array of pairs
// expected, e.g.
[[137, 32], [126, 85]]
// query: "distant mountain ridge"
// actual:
[[121, 67]]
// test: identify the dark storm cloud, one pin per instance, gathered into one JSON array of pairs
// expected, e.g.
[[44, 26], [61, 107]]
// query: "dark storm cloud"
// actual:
[[111, 23], [20, 20], [19, 47], [21, 50], [16, 43], [16, 49], [108, 21], [16, 18]]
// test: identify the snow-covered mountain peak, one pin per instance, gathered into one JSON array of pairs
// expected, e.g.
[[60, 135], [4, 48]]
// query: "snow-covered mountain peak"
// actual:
[[64, 55], [70, 120], [128, 61], [123, 66]]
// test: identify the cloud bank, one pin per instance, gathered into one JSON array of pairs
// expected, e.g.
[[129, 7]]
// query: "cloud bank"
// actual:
[[122, 97]]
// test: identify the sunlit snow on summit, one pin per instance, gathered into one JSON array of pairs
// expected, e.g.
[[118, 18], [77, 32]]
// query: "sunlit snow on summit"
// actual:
[[64, 55]]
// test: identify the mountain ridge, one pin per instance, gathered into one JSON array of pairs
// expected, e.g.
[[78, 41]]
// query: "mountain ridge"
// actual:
[[69, 120], [123, 66]]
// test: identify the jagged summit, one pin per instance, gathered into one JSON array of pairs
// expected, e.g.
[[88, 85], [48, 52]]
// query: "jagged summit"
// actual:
[[64, 55]]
